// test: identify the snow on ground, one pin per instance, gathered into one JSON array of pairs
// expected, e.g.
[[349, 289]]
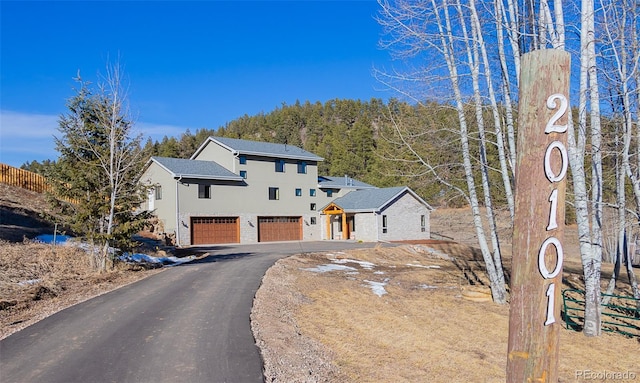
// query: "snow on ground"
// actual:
[[125, 257], [340, 264]]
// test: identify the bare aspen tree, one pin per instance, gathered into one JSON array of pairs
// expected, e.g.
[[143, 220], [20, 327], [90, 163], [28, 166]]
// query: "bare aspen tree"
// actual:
[[619, 22]]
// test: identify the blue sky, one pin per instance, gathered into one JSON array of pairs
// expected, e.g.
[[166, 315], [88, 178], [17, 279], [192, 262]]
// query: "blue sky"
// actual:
[[192, 65]]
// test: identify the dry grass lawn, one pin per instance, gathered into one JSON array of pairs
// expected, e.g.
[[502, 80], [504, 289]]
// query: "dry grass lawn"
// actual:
[[424, 329]]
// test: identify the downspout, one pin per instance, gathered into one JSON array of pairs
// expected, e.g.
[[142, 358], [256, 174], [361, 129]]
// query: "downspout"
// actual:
[[178, 182], [236, 154]]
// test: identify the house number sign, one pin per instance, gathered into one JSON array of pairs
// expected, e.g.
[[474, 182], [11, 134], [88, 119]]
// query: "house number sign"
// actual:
[[555, 101]]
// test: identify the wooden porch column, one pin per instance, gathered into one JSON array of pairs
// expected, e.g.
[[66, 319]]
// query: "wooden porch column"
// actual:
[[328, 226], [345, 228]]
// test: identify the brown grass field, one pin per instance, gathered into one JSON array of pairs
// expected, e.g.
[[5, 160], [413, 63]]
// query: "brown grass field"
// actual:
[[428, 327]]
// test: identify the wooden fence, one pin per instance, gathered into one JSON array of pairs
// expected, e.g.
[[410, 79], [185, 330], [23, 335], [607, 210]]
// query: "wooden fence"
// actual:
[[23, 179]]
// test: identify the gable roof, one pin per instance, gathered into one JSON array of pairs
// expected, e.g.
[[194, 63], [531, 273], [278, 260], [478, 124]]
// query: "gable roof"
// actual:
[[181, 168], [368, 200], [342, 183], [257, 148]]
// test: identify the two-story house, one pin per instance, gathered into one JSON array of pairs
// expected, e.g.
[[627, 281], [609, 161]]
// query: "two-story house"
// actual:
[[240, 191]]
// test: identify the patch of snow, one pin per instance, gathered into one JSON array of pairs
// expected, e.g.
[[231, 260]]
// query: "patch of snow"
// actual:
[[428, 287], [330, 267], [378, 287], [29, 282], [363, 264], [49, 238], [165, 261], [423, 266], [378, 272]]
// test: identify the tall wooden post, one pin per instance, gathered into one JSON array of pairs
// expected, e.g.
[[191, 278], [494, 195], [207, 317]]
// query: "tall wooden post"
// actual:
[[541, 171]]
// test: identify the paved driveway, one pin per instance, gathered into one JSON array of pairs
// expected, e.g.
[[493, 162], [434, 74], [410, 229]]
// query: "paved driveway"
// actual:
[[187, 324]]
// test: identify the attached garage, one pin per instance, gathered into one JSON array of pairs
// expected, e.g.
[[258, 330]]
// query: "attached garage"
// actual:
[[211, 230], [279, 229]]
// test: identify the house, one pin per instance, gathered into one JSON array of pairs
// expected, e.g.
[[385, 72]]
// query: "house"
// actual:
[[240, 191], [372, 215]]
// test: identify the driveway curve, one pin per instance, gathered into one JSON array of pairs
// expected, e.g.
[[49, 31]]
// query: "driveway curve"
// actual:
[[187, 324]]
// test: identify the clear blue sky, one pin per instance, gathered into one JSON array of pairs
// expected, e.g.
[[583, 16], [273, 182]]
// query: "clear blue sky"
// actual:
[[193, 65]]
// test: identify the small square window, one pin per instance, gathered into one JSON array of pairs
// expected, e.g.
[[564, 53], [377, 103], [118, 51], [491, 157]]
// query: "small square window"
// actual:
[[298, 192], [280, 166], [313, 220], [329, 193], [243, 160], [243, 174], [204, 191], [312, 192], [312, 207], [274, 193]]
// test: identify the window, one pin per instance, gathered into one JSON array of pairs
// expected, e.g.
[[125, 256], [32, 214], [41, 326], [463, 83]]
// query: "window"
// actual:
[[204, 191], [298, 192], [312, 192], [384, 223], [329, 193], [280, 166], [302, 167], [423, 223], [274, 193], [243, 174], [242, 159], [313, 220], [158, 192], [312, 207]]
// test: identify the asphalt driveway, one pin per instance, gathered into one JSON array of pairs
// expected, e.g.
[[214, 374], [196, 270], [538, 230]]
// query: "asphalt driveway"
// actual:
[[187, 324]]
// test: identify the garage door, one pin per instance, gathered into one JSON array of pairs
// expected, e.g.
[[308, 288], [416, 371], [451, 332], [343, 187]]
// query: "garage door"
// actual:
[[208, 230], [279, 229]]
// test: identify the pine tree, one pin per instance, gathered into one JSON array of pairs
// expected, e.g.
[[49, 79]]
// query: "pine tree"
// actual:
[[98, 168]]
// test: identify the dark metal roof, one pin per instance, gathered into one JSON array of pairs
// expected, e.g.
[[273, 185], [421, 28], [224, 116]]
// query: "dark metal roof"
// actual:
[[342, 183], [179, 167], [266, 149], [373, 199]]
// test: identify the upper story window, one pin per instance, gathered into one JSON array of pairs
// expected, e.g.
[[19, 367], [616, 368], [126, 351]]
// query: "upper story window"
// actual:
[[298, 192], [204, 191], [280, 166], [274, 193], [243, 174], [158, 192], [243, 159], [302, 167], [329, 193], [312, 192]]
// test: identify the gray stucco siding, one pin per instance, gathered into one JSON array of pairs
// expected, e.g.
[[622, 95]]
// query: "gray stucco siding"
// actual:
[[403, 220]]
